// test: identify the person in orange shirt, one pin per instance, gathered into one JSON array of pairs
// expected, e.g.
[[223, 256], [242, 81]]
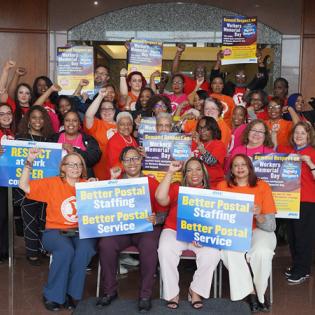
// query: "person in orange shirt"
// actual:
[[242, 179], [214, 108], [70, 254], [276, 123], [217, 85], [102, 129], [130, 87]]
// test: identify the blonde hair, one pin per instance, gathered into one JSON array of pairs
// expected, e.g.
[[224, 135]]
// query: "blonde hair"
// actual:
[[62, 174]]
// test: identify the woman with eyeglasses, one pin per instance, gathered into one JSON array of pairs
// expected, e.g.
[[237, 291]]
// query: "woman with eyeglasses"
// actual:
[[241, 178], [74, 140], [7, 131], [146, 243], [301, 231], [256, 138], [170, 249], [70, 254], [276, 123], [208, 147], [99, 123], [159, 104]]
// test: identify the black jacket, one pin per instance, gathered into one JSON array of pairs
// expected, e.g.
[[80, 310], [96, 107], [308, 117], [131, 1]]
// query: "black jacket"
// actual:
[[92, 154]]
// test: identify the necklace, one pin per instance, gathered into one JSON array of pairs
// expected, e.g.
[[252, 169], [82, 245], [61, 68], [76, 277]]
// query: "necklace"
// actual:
[[126, 141]]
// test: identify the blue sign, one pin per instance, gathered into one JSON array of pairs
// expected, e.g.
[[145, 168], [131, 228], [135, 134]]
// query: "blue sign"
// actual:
[[113, 207], [215, 218], [15, 154]]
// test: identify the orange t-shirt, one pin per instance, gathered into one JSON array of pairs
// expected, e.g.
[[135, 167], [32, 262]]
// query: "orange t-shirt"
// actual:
[[262, 192], [226, 133], [61, 212], [228, 106], [102, 131], [284, 131]]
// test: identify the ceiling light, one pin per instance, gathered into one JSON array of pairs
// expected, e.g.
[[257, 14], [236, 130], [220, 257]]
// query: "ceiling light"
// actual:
[[95, 2]]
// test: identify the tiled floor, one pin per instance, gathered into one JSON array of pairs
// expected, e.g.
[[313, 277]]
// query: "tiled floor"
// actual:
[[21, 287]]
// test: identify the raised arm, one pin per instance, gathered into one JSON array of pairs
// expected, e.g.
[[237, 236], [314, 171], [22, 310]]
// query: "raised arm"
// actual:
[[80, 86], [180, 50], [5, 73], [93, 108], [24, 182], [155, 74], [123, 87], [19, 72], [161, 194], [191, 96], [45, 96]]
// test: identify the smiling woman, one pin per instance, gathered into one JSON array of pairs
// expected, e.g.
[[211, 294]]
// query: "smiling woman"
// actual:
[[74, 140], [71, 255]]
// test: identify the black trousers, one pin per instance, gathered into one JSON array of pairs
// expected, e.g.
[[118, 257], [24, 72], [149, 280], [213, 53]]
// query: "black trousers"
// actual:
[[33, 216], [4, 241], [301, 235]]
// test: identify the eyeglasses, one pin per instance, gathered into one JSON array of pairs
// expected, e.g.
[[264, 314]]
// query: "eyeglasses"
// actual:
[[164, 126], [74, 165], [178, 82], [160, 106], [135, 159], [257, 131], [5, 114], [240, 75], [274, 106]]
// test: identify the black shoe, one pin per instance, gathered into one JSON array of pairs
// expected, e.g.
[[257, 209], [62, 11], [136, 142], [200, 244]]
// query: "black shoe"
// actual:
[[51, 305], [33, 260], [297, 278], [253, 303], [69, 304], [264, 307], [144, 304], [106, 300], [289, 271]]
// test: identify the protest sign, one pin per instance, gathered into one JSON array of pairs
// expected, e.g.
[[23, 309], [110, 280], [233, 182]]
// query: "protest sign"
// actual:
[[283, 173], [16, 153], [147, 125], [215, 218], [73, 64], [239, 39], [113, 207], [146, 57], [161, 149]]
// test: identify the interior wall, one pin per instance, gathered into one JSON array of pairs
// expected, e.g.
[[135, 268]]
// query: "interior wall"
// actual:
[[307, 78], [24, 35]]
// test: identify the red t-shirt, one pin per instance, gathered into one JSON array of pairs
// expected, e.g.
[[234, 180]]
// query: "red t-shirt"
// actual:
[[114, 147], [218, 150], [171, 219], [190, 85], [307, 179]]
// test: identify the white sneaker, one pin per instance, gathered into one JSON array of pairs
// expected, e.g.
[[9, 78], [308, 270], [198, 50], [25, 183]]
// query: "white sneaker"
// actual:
[[122, 270], [128, 260]]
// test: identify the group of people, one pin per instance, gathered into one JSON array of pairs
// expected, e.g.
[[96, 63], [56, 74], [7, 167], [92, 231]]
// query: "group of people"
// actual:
[[229, 122]]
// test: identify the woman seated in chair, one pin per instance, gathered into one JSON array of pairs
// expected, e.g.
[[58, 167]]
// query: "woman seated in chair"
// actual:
[[242, 179], [147, 243], [70, 254], [194, 175]]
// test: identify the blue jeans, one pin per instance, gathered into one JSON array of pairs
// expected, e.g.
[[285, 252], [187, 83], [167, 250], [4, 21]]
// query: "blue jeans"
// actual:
[[70, 257]]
